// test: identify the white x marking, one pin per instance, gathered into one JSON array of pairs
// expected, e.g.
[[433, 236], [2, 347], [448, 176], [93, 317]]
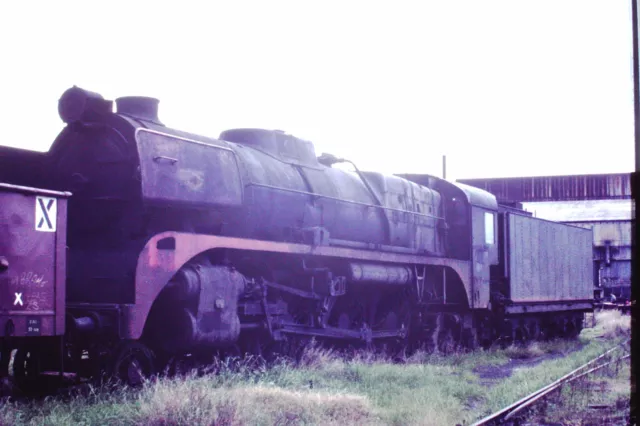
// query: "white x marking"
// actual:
[[18, 299]]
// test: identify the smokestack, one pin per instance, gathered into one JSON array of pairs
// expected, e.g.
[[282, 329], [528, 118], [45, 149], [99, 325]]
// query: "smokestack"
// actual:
[[141, 107]]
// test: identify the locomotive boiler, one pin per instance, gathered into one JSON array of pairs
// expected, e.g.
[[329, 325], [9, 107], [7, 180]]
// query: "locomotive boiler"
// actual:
[[179, 243]]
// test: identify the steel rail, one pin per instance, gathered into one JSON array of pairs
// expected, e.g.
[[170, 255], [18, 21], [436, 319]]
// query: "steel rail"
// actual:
[[541, 395], [523, 402]]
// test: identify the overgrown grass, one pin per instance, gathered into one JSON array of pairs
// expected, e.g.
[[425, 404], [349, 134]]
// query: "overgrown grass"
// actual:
[[613, 323], [599, 399], [603, 397], [327, 389]]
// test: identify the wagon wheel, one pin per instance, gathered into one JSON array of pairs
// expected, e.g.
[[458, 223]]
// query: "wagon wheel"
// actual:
[[550, 331], [27, 369], [179, 366], [521, 334], [579, 324], [5, 355], [573, 328], [132, 363]]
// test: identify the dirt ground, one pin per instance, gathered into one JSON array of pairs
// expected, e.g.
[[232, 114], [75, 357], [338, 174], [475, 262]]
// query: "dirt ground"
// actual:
[[490, 375]]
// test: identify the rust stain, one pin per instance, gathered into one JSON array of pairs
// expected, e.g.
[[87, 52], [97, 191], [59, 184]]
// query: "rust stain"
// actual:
[[192, 179]]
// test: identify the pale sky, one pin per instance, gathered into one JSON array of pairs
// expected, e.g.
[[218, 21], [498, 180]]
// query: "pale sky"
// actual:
[[503, 88]]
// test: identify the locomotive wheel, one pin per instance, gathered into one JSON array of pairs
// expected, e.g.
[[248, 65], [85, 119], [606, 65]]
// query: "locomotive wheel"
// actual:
[[533, 328], [258, 345], [344, 321], [132, 363], [448, 341], [469, 339], [450, 336]]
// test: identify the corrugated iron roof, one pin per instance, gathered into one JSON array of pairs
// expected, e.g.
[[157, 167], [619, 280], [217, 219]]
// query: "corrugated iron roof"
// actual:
[[581, 211], [556, 188]]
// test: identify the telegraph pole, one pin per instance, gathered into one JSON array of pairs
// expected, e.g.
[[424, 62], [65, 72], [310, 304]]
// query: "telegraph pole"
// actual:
[[636, 79], [444, 167], [635, 268]]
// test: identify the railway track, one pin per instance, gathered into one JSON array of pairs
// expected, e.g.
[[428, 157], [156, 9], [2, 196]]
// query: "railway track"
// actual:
[[509, 413], [624, 308]]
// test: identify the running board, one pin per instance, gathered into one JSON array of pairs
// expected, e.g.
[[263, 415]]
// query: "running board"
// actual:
[[540, 307], [340, 333]]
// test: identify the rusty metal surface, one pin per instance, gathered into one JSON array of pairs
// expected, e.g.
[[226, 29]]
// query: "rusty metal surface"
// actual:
[[458, 200], [548, 261], [556, 188], [582, 210], [156, 265], [415, 212], [475, 197], [282, 197], [32, 258], [617, 234], [177, 171], [611, 253], [616, 274], [278, 144]]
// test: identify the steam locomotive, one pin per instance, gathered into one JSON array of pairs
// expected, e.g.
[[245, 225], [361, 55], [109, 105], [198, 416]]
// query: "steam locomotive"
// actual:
[[132, 244]]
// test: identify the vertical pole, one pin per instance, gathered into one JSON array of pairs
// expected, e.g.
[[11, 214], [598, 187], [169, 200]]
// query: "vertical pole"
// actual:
[[61, 372], [444, 167], [636, 79], [635, 177], [444, 284]]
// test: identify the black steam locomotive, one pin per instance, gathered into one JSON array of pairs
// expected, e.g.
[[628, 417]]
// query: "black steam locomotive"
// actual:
[[170, 243]]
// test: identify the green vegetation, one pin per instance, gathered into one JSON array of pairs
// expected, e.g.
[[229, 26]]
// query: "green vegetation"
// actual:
[[325, 389], [601, 398]]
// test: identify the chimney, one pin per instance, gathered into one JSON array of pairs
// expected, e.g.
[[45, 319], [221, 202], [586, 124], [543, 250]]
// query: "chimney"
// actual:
[[140, 107]]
